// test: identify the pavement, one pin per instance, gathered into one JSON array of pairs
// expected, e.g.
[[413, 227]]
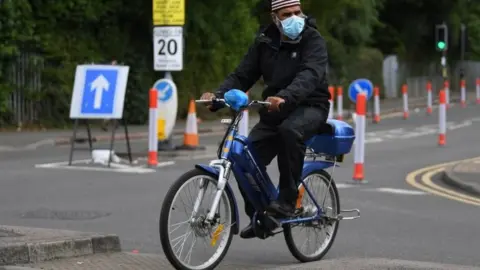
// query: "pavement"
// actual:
[[464, 175], [410, 218], [22, 245]]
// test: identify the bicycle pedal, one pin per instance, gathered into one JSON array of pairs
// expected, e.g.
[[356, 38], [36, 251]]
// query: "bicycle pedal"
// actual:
[[343, 217]]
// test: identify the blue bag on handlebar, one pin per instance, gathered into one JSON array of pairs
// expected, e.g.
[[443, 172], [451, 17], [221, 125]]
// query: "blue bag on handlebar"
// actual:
[[236, 99]]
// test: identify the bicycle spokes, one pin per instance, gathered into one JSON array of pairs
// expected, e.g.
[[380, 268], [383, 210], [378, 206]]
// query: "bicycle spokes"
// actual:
[[193, 236]]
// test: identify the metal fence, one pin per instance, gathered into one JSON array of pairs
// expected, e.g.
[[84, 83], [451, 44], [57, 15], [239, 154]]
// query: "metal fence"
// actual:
[[25, 76], [417, 84]]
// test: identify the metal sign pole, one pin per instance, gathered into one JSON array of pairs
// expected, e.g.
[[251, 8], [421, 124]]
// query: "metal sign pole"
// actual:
[[168, 20]]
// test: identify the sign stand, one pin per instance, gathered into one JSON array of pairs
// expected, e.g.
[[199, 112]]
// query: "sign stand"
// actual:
[[90, 140], [99, 93], [74, 139], [127, 139]]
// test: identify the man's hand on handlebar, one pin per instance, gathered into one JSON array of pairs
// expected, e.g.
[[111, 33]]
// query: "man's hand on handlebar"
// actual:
[[208, 96], [275, 103], [272, 103]]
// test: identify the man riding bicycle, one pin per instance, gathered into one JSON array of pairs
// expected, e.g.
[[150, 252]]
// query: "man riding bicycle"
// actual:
[[291, 56]]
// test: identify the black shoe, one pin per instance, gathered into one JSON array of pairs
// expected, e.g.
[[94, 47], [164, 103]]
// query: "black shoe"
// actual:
[[284, 209], [248, 232]]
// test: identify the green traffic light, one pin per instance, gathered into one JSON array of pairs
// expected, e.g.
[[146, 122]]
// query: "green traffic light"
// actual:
[[441, 45]]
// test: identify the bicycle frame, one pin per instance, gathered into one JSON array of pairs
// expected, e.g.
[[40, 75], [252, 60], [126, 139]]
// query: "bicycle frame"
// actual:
[[226, 163], [222, 168]]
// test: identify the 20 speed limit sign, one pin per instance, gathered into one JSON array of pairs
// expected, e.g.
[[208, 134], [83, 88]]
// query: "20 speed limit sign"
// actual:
[[168, 48]]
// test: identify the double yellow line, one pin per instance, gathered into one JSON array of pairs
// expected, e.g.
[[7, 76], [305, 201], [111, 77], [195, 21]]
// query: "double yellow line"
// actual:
[[422, 179]]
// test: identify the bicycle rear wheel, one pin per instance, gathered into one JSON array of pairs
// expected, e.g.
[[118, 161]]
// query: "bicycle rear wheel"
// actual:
[[328, 227], [218, 234]]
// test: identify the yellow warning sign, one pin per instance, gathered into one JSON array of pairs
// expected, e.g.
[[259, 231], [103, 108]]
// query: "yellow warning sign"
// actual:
[[168, 12]]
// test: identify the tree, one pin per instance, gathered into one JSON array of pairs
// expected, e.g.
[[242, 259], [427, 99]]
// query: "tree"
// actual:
[[63, 34], [16, 28]]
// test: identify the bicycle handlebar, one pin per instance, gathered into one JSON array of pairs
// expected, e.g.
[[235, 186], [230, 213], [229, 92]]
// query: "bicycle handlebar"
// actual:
[[219, 100]]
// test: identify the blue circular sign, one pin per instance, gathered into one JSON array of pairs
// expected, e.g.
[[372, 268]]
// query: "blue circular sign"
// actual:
[[359, 86], [165, 88]]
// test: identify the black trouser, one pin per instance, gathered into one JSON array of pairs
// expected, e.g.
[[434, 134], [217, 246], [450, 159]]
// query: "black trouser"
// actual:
[[287, 140]]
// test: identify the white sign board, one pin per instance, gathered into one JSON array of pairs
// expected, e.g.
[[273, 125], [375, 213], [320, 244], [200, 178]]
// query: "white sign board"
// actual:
[[390, 76], [168, 48], [99, 92], [167, 105]]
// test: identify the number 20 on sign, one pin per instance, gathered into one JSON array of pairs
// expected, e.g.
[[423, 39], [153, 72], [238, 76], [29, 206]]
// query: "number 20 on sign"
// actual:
[[168, 48]]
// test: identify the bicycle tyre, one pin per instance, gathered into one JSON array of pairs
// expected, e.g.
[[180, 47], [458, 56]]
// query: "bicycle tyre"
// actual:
[[164, 216], [287, 232]]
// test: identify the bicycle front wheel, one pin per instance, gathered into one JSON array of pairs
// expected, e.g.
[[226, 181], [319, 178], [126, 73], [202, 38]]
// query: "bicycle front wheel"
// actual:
[[210, 238]]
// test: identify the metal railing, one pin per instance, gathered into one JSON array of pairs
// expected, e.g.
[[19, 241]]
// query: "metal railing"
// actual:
[[25, 75]]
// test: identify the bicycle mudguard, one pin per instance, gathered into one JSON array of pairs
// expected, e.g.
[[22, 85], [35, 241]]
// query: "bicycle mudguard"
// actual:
[[310, 166], [208, 169]]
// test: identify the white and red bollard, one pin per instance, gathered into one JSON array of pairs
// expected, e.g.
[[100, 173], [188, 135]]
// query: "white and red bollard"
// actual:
[[340, 103], [376, 104], [463, 93], [429, 98], [478, 90], [405, 101], [442, 118], [360, 126], [331, 89], [243, 125], [152, 129], [446, 87]]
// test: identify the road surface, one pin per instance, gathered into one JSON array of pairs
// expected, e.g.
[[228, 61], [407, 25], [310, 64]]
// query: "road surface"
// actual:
[[399, 221]]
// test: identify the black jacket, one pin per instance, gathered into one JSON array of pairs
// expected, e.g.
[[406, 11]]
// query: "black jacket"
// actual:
[[294, 71]]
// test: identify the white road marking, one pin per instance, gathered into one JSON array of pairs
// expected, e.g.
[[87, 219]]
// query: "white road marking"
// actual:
[[401, 133], [384, 189], [398, 191], [165, 164], [196, 157], [114, 167], [56, 164], [81, 168], [341, 185]]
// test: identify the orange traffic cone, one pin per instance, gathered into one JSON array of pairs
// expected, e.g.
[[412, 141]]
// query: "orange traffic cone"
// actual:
[[190, 138]]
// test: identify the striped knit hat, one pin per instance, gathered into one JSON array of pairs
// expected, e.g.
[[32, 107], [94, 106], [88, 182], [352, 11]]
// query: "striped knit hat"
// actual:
[[279, 4]]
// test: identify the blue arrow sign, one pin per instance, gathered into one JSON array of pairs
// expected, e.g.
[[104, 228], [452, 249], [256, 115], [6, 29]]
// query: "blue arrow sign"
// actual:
[[360, 86], [99, 92], [165, 89]]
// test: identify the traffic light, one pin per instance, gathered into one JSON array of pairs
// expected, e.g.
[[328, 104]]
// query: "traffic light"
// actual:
[[441, 37]]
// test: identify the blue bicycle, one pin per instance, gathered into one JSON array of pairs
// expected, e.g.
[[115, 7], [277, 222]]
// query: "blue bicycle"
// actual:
[[212, 225]]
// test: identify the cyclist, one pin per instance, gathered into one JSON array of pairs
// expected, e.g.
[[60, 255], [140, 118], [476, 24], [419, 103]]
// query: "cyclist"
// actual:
[[291, 56]]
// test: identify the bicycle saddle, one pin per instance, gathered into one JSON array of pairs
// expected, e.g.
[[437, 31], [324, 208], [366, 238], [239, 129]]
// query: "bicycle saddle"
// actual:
[[326, 129]]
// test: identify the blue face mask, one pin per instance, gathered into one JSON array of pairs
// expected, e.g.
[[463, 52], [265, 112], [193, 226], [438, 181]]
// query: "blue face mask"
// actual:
[[293, 26]]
